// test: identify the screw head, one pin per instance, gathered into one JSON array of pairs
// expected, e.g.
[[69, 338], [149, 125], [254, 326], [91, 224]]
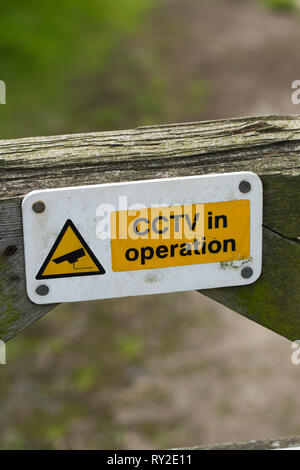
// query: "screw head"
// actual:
[[247, 273], [244, 186], [38, 207], [42, 289], [10, 250]]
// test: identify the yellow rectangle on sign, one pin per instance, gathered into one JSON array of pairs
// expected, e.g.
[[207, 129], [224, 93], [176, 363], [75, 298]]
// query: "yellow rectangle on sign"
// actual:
[[164, 237]]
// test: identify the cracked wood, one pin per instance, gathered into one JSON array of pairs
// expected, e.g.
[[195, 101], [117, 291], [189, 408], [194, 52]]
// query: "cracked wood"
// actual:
[[269, 146]]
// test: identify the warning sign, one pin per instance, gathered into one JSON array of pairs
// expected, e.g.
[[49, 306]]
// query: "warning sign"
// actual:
[[180, 235], [145, 237], [70, 256]]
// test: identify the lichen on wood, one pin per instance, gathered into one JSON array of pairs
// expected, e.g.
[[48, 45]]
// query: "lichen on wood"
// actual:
[[269, 146]]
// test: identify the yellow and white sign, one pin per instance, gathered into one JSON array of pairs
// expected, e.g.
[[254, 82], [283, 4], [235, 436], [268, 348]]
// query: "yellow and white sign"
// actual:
[[70, 256], [143, 237], [166, 237]]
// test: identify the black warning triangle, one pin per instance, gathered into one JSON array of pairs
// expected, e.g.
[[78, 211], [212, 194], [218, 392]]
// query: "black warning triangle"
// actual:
[[70, 256]]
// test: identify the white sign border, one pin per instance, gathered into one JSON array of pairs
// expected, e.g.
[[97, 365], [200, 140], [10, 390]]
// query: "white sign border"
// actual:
[[41, 230]]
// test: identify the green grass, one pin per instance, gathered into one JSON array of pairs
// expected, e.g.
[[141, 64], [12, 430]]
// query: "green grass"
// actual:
[[47, 51], [280, 5]]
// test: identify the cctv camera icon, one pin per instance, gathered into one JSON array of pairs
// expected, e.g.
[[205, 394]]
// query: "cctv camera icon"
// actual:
[[71, 257]]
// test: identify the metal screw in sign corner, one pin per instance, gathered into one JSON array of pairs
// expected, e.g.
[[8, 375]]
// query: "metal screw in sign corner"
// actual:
[[42, 289], [244, 186], [38, 207], [247, 272]]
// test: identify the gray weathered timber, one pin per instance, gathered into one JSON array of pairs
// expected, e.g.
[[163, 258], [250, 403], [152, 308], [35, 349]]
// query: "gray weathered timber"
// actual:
[[269, 146], [272, 301], [266, 444]]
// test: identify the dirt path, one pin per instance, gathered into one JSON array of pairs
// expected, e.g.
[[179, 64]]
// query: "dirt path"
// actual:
[[249, 55]]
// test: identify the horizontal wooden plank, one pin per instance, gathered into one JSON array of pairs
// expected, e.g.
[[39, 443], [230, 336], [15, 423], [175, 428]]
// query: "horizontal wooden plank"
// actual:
[[269, 146]]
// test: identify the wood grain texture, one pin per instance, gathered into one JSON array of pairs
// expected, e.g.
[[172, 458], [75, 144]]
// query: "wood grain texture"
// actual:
[[266, 444], [274, 300], [269, 146]]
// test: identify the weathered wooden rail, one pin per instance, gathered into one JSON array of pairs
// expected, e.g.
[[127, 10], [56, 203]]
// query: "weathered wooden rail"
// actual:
[[282, 443], [269, 146]]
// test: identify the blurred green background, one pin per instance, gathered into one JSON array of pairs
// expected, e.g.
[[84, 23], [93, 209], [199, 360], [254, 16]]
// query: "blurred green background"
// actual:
[[160, 371]]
